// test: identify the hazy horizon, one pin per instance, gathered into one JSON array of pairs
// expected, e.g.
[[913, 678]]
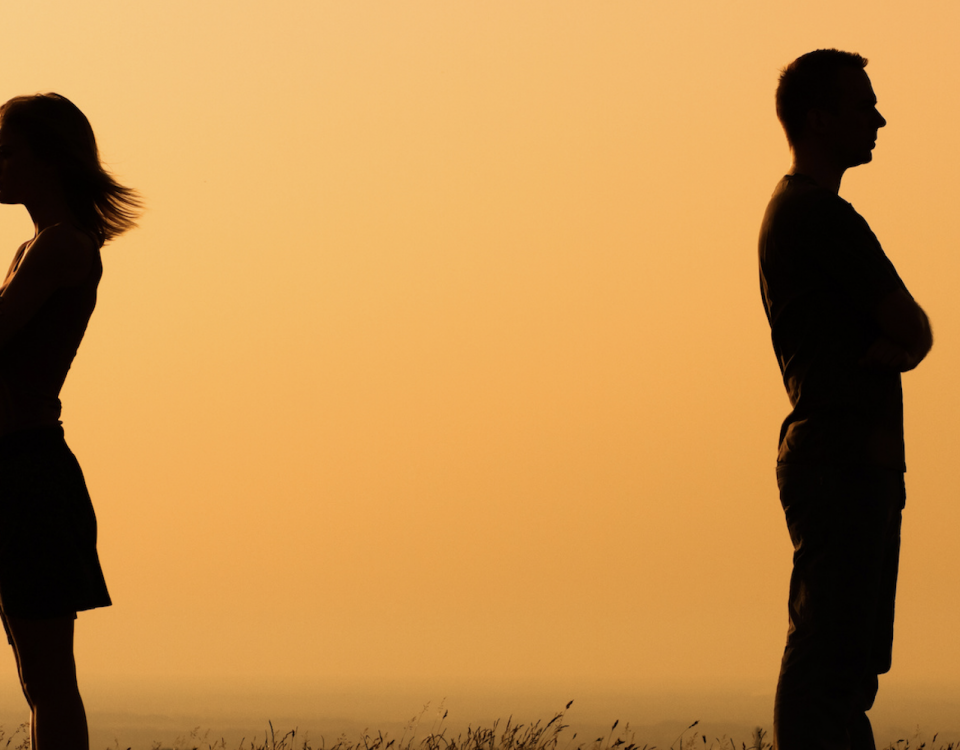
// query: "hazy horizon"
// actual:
[[140, 713]]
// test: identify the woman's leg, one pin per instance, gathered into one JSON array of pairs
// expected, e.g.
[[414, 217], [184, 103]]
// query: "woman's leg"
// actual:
[[48, 674], [16, 656]]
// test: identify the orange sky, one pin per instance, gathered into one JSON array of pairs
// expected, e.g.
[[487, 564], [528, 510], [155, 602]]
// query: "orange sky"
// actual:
[[440, 353]]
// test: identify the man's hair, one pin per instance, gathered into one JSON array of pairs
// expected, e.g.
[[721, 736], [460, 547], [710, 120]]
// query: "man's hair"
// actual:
[[810, 82]]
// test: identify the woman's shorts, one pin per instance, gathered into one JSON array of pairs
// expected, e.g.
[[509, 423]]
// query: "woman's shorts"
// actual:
[[48, 531]]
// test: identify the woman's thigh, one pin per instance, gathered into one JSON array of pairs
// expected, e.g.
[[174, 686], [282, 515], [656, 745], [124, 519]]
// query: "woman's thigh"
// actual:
[[44, 651]]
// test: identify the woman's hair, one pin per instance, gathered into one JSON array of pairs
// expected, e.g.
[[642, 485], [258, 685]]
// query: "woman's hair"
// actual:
[[58, 133]]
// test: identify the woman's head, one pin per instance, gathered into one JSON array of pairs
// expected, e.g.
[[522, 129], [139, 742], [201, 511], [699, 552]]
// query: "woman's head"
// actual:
[[60, 137]]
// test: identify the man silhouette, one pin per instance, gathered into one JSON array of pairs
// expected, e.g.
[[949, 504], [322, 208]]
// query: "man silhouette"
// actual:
[[844, 327]]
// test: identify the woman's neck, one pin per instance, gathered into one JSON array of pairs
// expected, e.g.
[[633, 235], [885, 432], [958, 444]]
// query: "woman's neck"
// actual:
[[49, 212]]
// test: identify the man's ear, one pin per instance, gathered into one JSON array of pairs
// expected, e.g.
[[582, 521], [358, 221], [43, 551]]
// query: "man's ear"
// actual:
[[819, 120]]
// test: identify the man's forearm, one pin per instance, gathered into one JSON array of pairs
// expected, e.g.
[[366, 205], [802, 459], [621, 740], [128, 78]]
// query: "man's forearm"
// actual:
[[886, 353], [905, 336]]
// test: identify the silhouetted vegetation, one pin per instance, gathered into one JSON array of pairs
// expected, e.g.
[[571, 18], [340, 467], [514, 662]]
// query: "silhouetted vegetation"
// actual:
[[509, 736]]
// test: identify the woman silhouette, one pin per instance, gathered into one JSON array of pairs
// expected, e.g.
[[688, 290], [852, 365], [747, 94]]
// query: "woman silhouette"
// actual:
[[49, 569]]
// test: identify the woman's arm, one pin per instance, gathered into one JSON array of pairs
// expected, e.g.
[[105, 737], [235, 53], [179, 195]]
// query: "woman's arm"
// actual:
[[13, 266], [60, 256]]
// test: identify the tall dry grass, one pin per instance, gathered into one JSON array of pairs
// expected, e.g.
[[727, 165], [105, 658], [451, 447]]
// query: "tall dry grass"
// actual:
[[508, 736]]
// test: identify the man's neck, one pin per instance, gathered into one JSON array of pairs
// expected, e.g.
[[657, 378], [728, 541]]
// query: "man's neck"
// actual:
[[820, 170]]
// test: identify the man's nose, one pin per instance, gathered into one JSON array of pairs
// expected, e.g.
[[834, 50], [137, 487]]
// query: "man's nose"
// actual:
[[881, 120]]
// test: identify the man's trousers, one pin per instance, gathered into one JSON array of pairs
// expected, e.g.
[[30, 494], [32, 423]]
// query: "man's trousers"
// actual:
[[844, 523]]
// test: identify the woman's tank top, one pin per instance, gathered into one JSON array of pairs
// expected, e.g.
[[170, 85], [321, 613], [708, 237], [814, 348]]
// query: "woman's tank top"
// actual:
[[35, 361]]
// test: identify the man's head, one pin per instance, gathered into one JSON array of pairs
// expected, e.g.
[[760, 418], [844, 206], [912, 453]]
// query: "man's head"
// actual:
[[825, 100]]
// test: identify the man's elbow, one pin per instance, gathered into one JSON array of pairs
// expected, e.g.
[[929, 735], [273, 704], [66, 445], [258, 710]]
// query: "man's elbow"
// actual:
[[922, 342], [925, 337]]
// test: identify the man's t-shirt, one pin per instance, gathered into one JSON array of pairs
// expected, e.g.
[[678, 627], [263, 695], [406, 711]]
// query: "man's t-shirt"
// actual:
[[822, 276]]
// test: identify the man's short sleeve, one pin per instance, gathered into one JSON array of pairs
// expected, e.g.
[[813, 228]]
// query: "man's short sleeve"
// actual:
[[842, 255]]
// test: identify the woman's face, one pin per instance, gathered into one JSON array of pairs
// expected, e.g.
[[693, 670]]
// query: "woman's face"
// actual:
[[21, 173]]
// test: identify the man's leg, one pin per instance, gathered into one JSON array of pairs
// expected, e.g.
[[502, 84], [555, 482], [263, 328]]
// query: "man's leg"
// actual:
[[861, 731], [843, 525], [881, 653]]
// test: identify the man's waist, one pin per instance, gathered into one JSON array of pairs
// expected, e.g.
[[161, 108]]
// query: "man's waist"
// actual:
[[842, 442]]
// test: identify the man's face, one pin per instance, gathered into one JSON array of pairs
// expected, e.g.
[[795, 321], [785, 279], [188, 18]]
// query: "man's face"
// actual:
[[851, 131]]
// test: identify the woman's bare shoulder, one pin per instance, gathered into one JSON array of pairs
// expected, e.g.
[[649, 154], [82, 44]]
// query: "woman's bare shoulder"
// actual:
[[64, 252], [68, 235]]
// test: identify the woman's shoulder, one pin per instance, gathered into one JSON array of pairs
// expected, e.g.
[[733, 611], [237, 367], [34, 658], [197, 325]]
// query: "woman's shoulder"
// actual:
[[69, 236], [66, 251]]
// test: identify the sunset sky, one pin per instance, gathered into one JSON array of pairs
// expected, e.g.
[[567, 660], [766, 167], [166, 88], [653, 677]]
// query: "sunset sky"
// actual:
[[439, 352]]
